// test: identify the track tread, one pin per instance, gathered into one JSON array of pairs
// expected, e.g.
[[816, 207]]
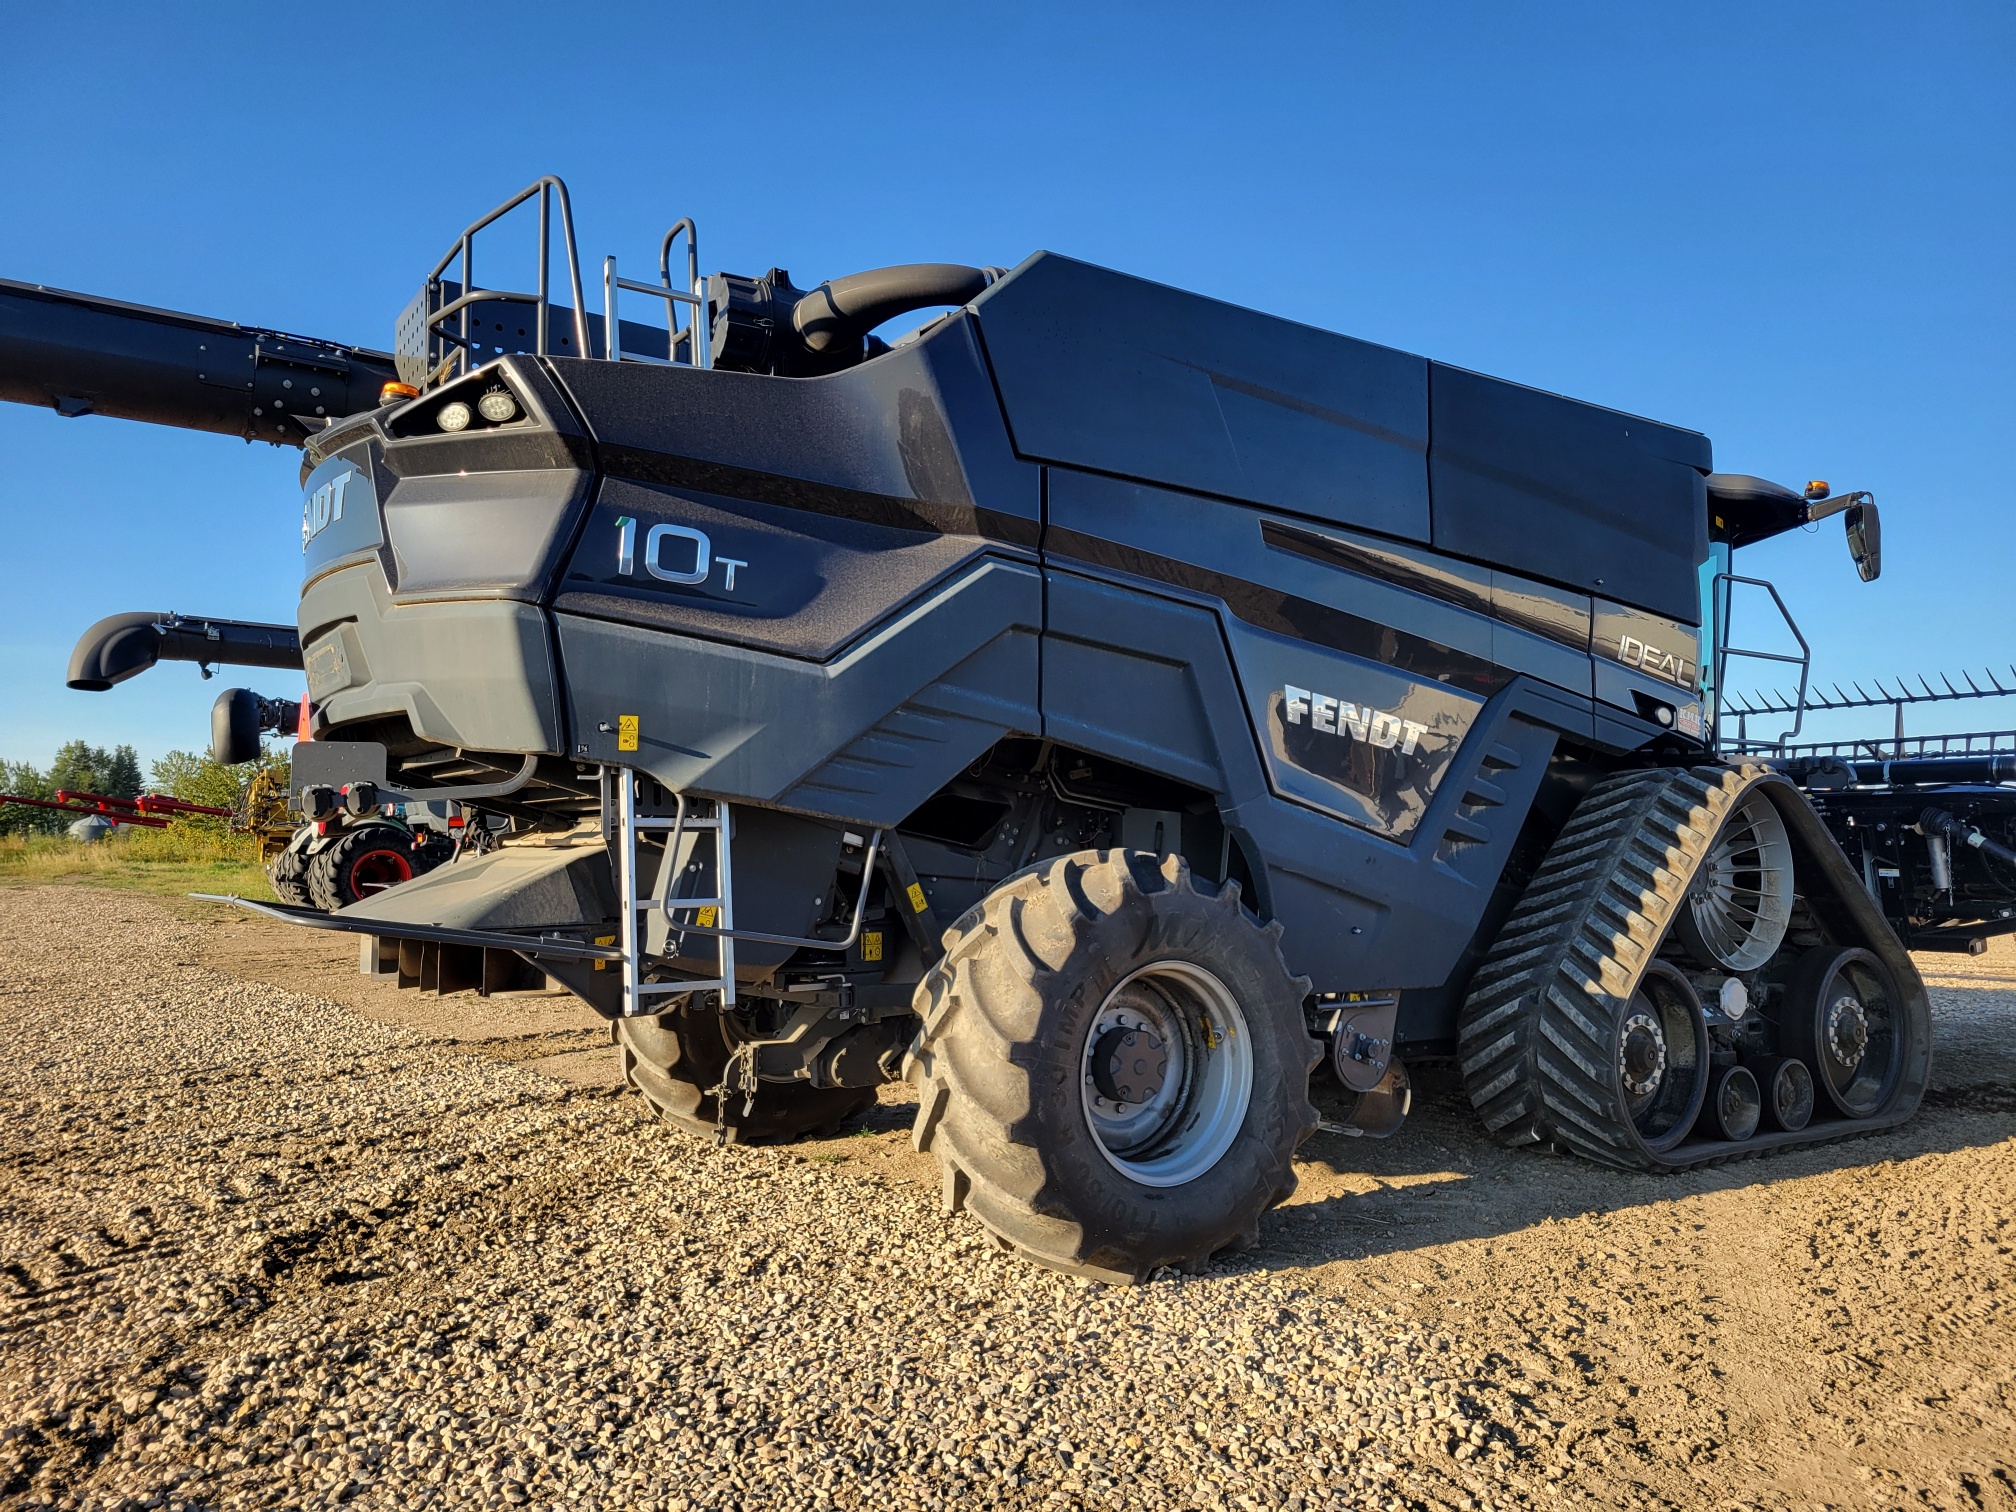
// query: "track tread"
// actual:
[[1533, 1037]]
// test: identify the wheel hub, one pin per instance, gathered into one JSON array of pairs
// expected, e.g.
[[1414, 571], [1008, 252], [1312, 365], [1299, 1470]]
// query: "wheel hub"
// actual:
[[1166, 1074], [1641, 1054], [1847, 1030], [1129, 1065]]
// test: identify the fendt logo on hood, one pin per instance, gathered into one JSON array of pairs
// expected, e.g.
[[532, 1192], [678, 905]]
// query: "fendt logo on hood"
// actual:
[[322, 508], [1338, 716]]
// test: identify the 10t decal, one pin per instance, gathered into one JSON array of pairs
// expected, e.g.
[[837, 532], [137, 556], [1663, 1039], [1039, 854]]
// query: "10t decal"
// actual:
[[663, 542]]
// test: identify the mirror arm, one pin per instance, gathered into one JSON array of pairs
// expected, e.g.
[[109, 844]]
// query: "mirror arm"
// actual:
[[1821, 509]]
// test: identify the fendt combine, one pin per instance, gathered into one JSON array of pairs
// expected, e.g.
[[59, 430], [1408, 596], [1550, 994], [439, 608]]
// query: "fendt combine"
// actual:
[[1099, 707]]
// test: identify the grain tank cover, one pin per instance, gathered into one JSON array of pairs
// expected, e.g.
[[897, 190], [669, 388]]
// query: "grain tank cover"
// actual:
[[1115, 374], [1120, 375]]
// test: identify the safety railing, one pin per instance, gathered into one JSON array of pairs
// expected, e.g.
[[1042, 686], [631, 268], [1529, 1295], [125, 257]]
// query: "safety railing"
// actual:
[[442, 352], [1723, 590]]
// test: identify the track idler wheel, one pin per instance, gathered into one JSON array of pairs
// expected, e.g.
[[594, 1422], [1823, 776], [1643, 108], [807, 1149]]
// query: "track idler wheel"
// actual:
[[1844, 1018]]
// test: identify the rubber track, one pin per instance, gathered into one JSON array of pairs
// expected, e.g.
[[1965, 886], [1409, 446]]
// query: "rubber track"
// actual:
[[1534, 1036]]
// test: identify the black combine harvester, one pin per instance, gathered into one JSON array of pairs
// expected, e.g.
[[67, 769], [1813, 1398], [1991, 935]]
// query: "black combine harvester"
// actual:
[[1099, 706]]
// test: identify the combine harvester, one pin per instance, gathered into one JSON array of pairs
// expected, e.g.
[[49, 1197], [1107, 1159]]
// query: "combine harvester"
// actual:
[[1099, 706]]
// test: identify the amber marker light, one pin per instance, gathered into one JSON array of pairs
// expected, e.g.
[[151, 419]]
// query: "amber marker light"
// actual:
[[1817, 490], [397, 390]]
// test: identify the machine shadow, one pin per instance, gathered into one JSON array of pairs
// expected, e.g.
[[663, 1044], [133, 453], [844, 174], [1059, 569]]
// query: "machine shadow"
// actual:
[[1441, 1180]]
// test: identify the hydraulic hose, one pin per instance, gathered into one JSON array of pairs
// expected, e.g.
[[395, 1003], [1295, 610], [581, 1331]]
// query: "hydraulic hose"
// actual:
[[1938, 822]]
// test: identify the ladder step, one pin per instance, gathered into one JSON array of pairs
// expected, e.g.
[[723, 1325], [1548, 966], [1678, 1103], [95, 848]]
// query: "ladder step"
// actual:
[[675, 904], [666, 824], [648, 989]]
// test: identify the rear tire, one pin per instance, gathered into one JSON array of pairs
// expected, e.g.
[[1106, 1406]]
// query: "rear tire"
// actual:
[[675, 1060], [361, 863], [288, 873], [1113, 1069]]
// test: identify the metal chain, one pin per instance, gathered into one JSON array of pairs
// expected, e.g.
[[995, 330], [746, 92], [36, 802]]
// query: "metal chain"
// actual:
[[737, 1075]]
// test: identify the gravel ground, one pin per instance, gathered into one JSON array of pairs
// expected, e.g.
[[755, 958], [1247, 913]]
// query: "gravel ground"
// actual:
[[272, 1235]]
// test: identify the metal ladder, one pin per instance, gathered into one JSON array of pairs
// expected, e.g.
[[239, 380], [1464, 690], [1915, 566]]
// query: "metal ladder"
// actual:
[[633, 909], [699, 351]]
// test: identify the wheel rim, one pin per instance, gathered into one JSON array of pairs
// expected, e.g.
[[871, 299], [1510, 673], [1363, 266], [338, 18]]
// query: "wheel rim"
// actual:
[[1166, 1074], [1741, 899], [374, 871], [1661, 1058], [1738, 1104], [1791, 1095], [1856, 1043]]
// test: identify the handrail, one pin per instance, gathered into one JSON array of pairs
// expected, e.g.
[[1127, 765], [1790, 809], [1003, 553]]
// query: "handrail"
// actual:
[[546, 188], [1722, 591], [698, 352]]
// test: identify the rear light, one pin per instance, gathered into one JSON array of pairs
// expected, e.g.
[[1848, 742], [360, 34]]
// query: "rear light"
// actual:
[[453, 417]]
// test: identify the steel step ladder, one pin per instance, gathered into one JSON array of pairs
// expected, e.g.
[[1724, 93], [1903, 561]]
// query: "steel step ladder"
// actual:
[[716, 914]]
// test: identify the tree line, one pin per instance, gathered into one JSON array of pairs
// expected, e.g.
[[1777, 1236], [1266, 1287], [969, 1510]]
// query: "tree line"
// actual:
[[80, 767]]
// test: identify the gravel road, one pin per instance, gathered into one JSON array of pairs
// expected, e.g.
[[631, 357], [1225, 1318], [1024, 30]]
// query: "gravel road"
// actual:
[[275, 1235]]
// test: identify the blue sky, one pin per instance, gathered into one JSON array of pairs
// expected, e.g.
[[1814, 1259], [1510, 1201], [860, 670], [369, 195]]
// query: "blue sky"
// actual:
[[1789, 226]]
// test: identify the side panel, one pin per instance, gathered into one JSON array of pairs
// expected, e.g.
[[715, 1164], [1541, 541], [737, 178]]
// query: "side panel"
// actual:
[[1142, 677], [766, 576], [1589, 497], [862, 738]]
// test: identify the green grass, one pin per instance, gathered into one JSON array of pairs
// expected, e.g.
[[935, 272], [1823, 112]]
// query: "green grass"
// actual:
[[179, 859]]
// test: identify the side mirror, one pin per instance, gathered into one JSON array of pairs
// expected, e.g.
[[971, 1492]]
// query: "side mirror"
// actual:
[[1865, 539]]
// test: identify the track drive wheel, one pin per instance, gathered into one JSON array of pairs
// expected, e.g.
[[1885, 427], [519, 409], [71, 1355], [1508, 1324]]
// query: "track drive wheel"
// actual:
[[1113, 1068], [1572, 1033], [676, 1060], [361, 863]]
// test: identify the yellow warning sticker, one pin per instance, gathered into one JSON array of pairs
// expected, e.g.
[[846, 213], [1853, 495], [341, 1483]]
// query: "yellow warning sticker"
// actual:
[[917, 900], [626, 732], [705, 917], [604, 940], [871, 945]]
